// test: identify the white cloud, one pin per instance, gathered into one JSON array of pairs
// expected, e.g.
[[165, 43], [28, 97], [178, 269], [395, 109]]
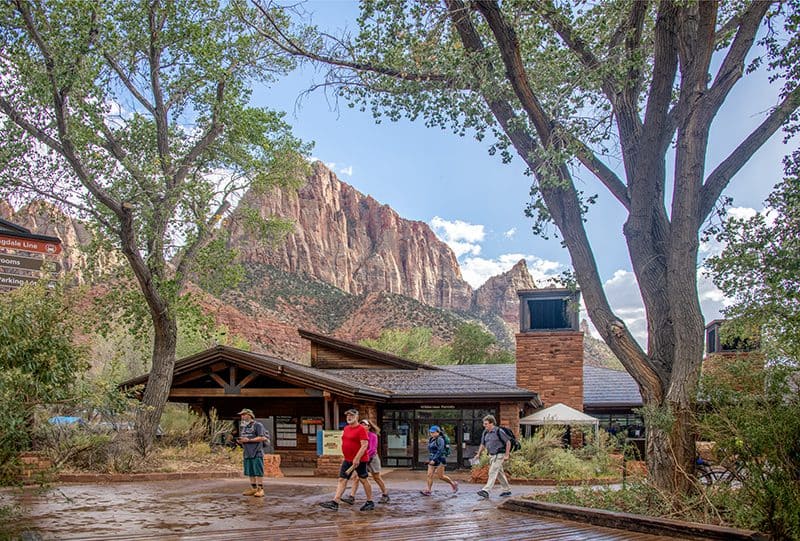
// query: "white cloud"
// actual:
[[476, 270], [457, 230], [347, 170], [510, 233]]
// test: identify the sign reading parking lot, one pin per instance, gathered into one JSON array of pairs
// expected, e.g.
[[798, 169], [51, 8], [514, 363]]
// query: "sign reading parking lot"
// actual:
[[18, 263]]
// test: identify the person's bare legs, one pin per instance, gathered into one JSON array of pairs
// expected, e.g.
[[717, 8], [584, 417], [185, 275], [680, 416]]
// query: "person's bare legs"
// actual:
[[430, 476], [354, 489], [367, 488], [440, 474], [340, 487], [379, 480]]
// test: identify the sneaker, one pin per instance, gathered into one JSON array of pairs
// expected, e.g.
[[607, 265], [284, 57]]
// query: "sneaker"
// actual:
[[483, 494], [505, 494], [455, 487], [425, 492], [349, 500], [330, 505], [384, 499], [259, 493], [368, 506], [249, 492]]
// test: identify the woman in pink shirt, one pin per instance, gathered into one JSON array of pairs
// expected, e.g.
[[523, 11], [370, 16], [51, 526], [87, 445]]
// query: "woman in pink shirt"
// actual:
[[374, 465]]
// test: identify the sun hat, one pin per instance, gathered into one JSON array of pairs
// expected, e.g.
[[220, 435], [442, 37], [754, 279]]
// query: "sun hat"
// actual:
[[435, 428], [247, 411]]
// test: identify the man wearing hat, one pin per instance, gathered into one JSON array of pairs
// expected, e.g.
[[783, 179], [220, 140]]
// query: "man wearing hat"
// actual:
[[354, 448], [252, 436]]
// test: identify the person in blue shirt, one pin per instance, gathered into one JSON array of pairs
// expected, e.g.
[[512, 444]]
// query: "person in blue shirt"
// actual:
[[437, 460]]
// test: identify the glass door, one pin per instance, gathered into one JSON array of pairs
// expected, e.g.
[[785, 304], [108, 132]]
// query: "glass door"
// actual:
[[450, 428]]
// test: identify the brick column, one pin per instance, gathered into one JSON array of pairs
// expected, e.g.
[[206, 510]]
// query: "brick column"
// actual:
[[509, 416], [550, 363]]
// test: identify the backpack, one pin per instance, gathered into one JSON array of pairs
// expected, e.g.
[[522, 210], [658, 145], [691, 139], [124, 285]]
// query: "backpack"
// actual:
[[515, 444], [446, 444]]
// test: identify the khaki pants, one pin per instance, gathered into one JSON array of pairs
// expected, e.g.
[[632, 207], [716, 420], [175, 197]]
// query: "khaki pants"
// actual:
[[495, 471]]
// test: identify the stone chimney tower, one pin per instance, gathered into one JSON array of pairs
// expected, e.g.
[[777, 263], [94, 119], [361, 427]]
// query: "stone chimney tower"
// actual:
[[550, 346]]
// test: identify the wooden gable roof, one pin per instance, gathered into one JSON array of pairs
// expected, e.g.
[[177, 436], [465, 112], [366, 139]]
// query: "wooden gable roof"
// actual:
[[327, 352], [235, 370]]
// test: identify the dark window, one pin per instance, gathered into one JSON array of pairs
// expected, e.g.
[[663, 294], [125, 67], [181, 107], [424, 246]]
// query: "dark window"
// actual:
[[711, 340], [548, 314]]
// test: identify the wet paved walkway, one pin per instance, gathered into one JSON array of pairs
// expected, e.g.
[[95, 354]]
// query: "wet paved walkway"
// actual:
[[215, 510]]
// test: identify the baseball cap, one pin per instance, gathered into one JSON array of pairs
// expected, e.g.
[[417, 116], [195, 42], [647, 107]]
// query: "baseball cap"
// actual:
[[247, 411], [435, 428], [351, 411]]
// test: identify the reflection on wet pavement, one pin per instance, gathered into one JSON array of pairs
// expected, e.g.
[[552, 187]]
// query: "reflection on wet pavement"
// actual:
[[215, 509]]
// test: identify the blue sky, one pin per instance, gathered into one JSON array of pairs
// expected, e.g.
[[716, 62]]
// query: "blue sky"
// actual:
[[474, 202]]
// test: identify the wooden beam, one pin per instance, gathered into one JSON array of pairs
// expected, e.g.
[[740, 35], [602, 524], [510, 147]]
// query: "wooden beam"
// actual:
[[199, 373], [233, 376], [219, 380], [214, 392], [247, 379]]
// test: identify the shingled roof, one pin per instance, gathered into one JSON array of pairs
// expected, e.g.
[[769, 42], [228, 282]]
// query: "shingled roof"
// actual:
[[421, 384], [602, 387]]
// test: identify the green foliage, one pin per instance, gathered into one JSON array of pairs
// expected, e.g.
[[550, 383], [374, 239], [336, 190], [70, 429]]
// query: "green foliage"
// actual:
[[470, 345], [415, 344], [543, 456], [759, 269], [137, 115], [40, 363], [755, 421]]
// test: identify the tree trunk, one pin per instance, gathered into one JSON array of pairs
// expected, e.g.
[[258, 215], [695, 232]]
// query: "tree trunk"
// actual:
[[158, 384]]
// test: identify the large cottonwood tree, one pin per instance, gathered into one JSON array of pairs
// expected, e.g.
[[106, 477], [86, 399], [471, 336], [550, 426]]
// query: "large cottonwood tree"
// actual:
[[136, 113], [570, 84]]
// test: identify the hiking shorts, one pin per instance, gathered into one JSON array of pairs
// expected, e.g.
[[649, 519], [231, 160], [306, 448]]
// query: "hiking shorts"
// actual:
[[374, 464], [442, 461], [361, 470], [254, 467]]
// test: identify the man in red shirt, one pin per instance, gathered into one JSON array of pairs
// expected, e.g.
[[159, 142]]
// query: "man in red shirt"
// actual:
[[354, 449]]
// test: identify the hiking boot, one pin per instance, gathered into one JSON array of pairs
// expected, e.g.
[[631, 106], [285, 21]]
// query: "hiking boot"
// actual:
[[483, 494], [425, 492], [332, 505], [349, 500], [505, 493], [455, 487], [384, 499], [259, 493], [249, 492], [368, 506]]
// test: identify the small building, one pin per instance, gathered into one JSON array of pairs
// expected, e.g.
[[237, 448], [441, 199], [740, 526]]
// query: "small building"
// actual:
[[294, 401]]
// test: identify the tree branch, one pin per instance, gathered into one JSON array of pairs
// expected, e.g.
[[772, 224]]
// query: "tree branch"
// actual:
[[288, 45], [129, 84], [720, 177], [732, 68]]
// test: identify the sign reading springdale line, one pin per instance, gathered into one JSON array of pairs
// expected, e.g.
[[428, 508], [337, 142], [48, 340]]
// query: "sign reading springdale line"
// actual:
[[30, 243]]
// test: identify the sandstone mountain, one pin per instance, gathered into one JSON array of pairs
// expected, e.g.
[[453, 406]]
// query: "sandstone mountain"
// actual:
[[351, 241], [352, 267]]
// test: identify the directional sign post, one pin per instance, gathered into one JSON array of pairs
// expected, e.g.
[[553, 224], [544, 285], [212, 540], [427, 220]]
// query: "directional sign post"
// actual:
[[23, 242], [16, 280], [28, 263]]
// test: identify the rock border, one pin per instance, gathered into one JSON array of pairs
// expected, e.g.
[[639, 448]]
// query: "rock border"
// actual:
[[631, 522]]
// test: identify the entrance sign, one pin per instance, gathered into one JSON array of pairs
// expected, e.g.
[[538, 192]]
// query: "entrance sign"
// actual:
[[30, 243], [28, 263]]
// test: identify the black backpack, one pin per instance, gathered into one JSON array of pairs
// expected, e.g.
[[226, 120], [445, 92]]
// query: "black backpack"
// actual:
[[515, 444]]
